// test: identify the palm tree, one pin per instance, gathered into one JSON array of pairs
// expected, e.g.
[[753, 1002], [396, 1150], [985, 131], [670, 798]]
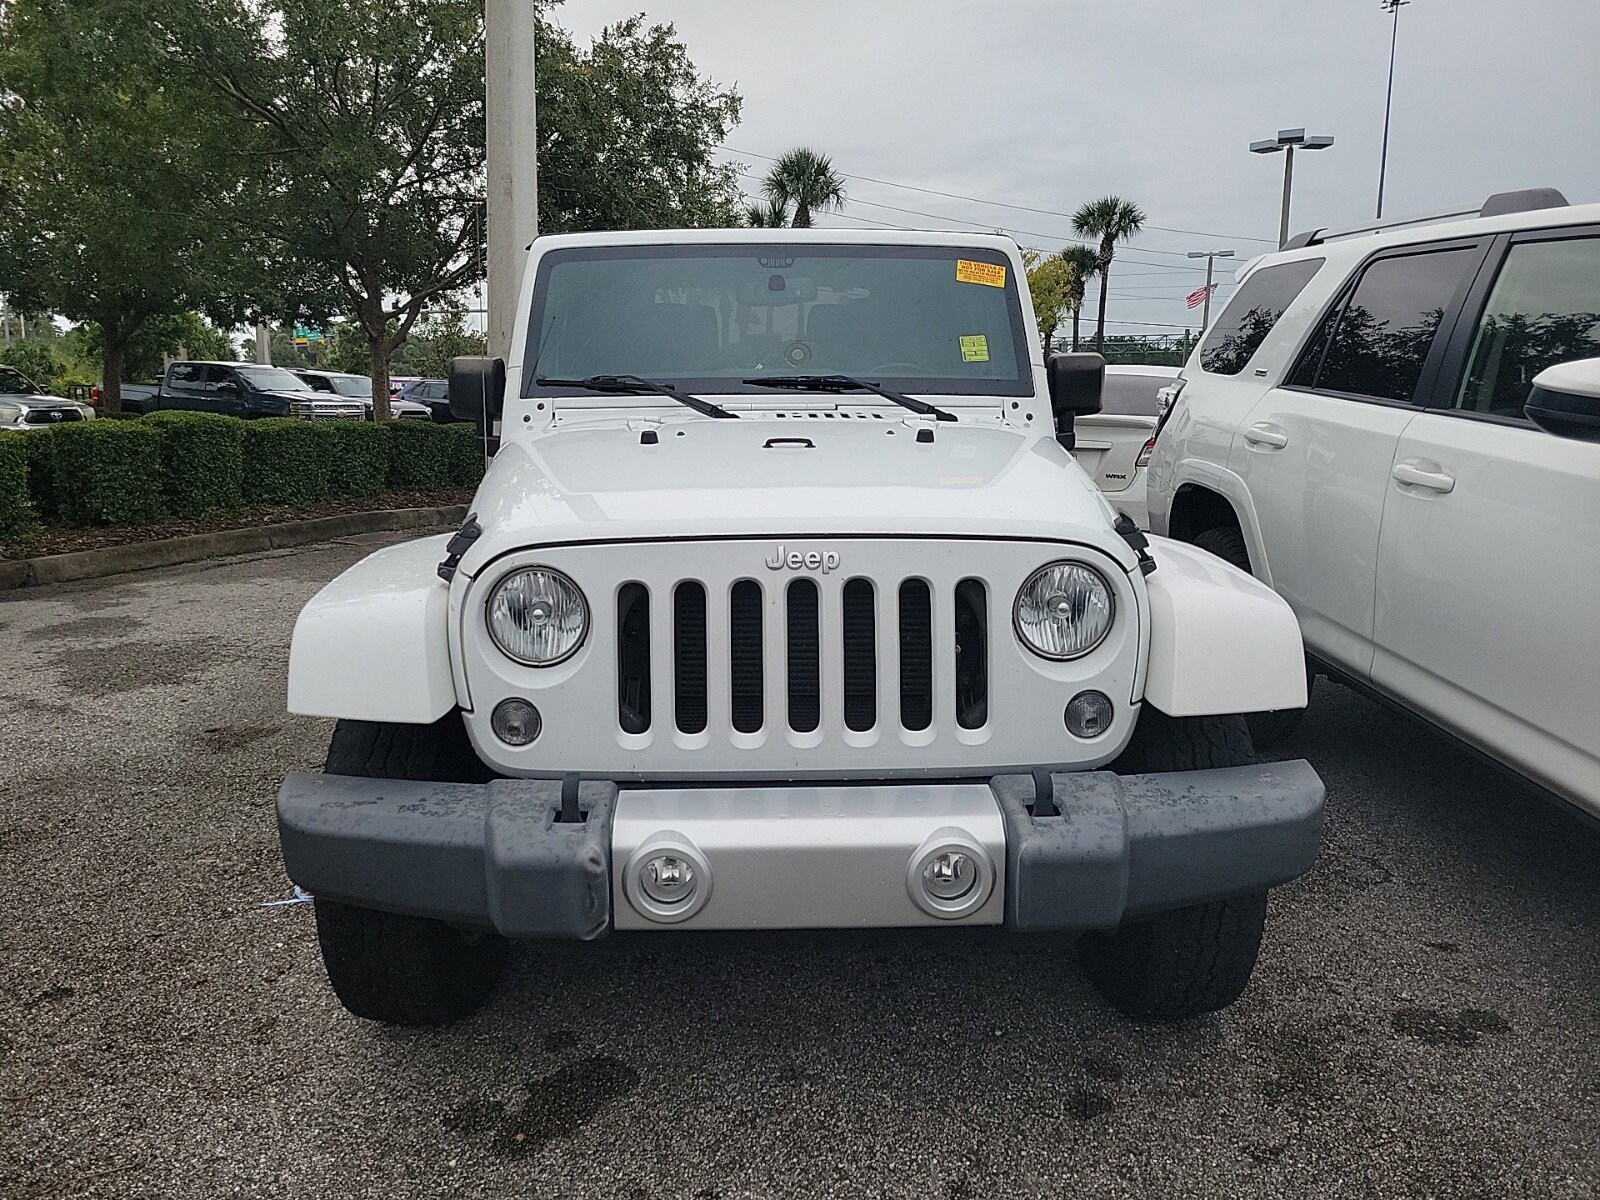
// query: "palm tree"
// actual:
[[1112, 220], [774, 214], [1084, 262], [807, 180]]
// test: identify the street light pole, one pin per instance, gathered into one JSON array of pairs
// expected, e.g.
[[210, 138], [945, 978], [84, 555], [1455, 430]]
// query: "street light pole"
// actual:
[[1288, 140], [512, 167], [1390, 6], [1210, 256]]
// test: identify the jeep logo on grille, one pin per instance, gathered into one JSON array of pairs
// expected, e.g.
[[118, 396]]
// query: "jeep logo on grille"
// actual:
[[810, 560]]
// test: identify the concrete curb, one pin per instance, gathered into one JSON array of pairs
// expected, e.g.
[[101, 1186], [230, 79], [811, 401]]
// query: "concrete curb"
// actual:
[[170, 552]]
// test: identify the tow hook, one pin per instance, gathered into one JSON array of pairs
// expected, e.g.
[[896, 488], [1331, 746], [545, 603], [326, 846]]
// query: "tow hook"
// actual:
[[1134, 536], [469, 532]]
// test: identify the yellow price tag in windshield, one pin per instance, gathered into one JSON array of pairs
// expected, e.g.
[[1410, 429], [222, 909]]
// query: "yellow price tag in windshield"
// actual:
[[975, 348], [989, 274]]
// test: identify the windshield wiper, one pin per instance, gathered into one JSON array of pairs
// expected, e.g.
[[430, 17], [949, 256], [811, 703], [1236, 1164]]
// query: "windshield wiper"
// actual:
[[848, 383], [633, 385]]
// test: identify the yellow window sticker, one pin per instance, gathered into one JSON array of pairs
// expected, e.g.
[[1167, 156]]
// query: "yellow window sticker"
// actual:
[[989, 274], [975, 347]]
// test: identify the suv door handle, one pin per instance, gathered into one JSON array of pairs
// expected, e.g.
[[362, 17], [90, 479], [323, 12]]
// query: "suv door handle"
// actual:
[[1411, 472], [1263, 434]]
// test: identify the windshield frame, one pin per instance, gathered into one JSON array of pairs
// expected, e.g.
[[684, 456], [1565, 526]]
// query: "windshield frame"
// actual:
[[987, 390]]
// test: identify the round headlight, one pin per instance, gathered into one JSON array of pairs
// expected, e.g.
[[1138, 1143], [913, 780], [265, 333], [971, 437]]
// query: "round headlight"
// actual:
[[1064, 610], [538, 616]]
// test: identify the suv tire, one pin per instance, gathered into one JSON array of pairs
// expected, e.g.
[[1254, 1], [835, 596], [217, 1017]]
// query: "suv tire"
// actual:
[[1267, 729], [389, 967], [1193, 960]]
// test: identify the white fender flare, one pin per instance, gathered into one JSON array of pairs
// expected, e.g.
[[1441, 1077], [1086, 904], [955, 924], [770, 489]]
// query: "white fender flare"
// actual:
[[373, 645], [1221, 641]]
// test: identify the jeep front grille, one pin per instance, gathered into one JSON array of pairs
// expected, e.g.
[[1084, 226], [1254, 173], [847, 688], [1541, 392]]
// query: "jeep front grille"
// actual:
[[813, 622]]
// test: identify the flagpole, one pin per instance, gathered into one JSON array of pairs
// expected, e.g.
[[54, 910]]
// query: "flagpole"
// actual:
[[1210, 256]]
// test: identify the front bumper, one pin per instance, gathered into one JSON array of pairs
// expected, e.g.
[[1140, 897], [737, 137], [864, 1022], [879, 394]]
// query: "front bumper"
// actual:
[[497, 855]]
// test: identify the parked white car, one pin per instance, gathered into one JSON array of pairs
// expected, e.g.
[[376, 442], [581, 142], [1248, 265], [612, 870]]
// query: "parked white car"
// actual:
[[784, 604], [1356, 429], [1114, 444], [359, 387], [24, 406]]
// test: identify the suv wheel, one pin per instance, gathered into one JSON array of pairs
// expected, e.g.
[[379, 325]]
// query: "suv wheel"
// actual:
[[390, 967], [1193, 960], [1267, 729]]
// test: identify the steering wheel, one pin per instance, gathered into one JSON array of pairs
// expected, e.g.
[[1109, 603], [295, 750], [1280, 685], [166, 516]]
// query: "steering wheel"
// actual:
[[889, 367]]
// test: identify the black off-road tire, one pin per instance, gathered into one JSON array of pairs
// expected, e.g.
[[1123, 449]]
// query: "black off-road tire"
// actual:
[[1192, 960], [388, 967], [1180, 964], [1267, 729]]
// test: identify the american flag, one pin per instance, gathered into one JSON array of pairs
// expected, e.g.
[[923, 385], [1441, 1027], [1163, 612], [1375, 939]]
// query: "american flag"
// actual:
[[1198, 297]]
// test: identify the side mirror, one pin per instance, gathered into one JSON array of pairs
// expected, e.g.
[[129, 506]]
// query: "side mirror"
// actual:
[[1565, 400], [1076, 381], [228, 387], [477, 388]]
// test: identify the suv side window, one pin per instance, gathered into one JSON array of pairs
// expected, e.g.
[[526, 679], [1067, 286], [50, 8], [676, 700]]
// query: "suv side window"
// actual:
[[1377, 342], [1251, 314], [1544, 309]]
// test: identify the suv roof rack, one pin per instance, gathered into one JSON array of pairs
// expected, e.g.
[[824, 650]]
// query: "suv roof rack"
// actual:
[[1498, 205]]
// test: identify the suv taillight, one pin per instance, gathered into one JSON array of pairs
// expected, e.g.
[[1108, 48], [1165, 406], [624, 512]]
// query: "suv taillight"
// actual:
[[1144, 454], [1166, 401]]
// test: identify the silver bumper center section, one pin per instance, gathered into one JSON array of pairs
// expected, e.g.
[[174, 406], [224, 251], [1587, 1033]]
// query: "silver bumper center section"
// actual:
[[499, 856]]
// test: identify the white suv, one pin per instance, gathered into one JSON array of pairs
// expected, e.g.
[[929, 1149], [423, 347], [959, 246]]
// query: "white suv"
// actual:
[[1356, 429]]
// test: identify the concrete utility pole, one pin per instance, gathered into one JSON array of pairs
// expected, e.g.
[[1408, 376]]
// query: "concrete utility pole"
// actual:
[[1288, 140], [1210, 256], [513, 210], [263, 344]]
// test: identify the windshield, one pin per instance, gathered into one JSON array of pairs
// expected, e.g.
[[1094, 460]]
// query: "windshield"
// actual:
[[14, 383], [1132, 395], [273, 379], [352, 385], [931, 319]]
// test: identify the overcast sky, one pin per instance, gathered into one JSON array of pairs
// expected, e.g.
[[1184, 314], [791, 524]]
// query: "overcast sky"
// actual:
[[1047, 103]]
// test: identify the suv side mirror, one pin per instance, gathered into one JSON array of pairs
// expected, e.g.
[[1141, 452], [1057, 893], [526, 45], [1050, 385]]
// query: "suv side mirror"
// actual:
[[1565, 400], [477, 388], [228, 387], [1076, 381]]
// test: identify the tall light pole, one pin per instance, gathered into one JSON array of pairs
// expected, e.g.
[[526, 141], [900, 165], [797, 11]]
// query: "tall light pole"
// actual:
[[513, 207], [1288, 140], [1210, 256], [1389, 6]]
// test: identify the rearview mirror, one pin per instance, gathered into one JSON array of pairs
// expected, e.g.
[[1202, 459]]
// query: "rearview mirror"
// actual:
[[1076, 381], [477, 388], [1565, 400]]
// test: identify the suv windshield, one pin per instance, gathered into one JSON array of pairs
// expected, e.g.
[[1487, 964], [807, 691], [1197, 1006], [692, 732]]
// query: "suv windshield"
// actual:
[[930, 319], [273, 379], [358, 386]]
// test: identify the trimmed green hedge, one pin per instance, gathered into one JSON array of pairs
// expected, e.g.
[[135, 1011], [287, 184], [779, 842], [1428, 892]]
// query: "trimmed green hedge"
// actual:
[[358, 457], [286, 461], [202, 461], [107, 472], [188, 464], [16, 505]]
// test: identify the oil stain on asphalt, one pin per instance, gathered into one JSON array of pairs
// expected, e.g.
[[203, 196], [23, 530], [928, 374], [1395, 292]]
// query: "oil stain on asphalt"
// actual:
[[558, 1105], [1435, 1027]]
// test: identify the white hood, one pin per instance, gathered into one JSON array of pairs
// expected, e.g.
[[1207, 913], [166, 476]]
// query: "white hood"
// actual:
[[863, 475]]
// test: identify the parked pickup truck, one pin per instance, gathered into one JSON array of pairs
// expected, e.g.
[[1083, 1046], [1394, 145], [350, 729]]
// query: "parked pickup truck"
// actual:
[[237, 389], [784, 605]]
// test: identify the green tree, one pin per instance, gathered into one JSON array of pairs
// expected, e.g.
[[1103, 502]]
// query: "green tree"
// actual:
[[444, 338], [36, 359], [807, 181], [125, 189], [374, 116], [1084, 262], [1111, 219], [1050, 287], [771, 214], [626, 132]]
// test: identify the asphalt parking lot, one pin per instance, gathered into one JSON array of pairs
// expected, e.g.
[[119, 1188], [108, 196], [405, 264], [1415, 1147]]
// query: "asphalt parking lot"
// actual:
[[1425, 1019]]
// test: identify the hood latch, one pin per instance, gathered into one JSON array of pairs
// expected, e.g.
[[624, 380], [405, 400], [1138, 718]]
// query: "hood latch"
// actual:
[[1134, 536], [469, 532]]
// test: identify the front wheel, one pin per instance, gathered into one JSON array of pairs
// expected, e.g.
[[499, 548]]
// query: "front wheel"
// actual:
[[1193, 960]]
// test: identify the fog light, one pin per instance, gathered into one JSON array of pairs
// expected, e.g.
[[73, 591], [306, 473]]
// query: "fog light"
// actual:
[[668, 879], [949, 875], [1088, 714], [515, 722]]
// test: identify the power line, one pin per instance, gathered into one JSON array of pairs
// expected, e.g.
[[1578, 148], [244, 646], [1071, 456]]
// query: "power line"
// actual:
[[1048, 212]]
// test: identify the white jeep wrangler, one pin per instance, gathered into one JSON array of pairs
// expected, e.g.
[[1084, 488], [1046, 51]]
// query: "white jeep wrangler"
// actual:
[[784, 604]]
